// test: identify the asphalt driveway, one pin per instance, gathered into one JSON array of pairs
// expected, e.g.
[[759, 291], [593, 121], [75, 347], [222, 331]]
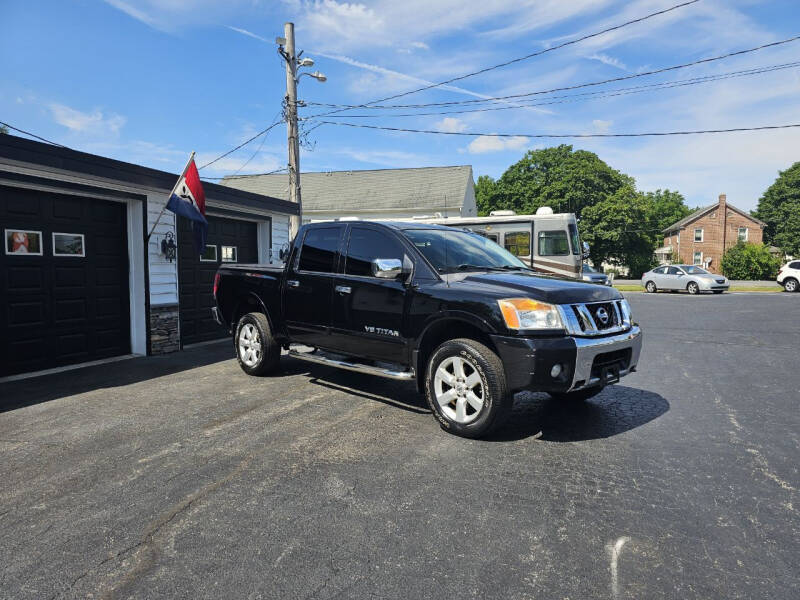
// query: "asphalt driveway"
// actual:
[[181, 477]]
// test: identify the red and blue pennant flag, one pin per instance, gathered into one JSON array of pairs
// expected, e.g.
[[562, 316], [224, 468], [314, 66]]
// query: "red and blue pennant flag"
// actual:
[[188, 200]]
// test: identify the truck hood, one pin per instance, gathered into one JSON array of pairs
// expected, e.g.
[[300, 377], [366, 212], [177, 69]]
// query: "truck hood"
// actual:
[[545, 289]]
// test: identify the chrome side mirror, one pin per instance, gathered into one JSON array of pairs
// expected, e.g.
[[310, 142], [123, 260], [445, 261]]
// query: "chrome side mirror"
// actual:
[[387, 268], [585, 248]]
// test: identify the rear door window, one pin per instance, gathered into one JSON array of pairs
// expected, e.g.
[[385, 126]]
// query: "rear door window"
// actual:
[[366, 245], [553, 243], [318, 253], [794, 265]]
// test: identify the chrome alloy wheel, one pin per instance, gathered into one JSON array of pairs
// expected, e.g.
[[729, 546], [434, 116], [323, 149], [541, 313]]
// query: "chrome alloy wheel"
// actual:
[[249, 345], [459, 389]]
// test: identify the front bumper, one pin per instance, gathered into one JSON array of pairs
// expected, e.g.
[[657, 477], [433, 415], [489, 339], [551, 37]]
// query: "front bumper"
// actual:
[[585, 362]]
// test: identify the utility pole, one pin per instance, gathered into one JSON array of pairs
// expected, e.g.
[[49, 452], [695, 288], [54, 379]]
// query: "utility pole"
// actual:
[[291, 128]]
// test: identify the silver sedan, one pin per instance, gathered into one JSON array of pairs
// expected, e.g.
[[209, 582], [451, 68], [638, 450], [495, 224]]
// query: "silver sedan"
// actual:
[[690, 278]]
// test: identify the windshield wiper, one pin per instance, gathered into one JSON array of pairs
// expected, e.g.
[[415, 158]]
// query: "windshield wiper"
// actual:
[[467, 266]]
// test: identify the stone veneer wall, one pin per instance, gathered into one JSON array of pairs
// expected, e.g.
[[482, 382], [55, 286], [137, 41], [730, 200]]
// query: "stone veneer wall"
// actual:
[[164, 329]]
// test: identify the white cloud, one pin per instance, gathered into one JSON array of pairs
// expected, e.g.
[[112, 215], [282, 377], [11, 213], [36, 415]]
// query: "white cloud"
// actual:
[[608, 60], [451, 125], [494, 143], [95, 123], [601, 126], [420, 46], [248, 33], [134, 12]]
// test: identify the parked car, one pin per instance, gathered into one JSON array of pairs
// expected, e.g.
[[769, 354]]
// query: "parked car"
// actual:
[[444, 307], [690, 278], [789, 276], [592, 276]]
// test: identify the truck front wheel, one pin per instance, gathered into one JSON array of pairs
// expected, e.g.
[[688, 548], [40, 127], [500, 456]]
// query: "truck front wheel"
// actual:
[[256, 350], [465, 386]]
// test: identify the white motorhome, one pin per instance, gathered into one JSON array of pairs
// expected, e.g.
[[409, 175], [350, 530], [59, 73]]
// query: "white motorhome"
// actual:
[[547, 241]]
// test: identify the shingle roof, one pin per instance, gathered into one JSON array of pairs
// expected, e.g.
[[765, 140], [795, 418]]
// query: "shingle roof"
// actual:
[[701, 211], [343, 191]]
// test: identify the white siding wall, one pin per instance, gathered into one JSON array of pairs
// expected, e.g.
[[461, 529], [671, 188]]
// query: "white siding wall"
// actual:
[[163, 274], [280, 235]]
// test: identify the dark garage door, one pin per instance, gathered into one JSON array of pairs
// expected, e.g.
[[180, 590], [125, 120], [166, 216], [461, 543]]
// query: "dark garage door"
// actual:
[[196, 276], [64, 280]]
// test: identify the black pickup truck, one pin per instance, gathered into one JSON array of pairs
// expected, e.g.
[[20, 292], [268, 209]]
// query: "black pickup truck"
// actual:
[[445, 307]]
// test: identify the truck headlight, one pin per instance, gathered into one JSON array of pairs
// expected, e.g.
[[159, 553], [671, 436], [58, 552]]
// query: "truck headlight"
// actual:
[[524, 313]]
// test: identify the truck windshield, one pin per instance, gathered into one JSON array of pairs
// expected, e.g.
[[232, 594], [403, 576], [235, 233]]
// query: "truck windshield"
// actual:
[[453, 251]]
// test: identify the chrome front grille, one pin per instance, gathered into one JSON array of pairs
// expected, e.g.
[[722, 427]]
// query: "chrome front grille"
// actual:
[[596, 318]]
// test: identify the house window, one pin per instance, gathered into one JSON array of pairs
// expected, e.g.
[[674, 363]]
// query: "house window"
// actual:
[[698, 235], [742, 234], [228, 253], [209, 254], [698, 258]]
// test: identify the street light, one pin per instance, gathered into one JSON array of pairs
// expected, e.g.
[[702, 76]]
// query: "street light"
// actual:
[[306, 62], [316, 75]]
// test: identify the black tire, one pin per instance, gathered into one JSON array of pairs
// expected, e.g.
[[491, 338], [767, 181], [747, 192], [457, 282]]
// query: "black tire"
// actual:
[[692, 288], [578, 396], [650, 286], [790, 284], [496, 399], [265, 358]]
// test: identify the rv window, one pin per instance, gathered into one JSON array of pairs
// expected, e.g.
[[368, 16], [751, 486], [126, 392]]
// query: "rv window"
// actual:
[[553, 243], [518, 243], [574, 238]]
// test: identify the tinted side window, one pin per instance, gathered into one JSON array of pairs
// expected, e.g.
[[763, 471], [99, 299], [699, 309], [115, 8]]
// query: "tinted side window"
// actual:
[[365, 246], [518, 243], [319, 250], [794, 265], [553, 243], [673, 271], [660, 270]]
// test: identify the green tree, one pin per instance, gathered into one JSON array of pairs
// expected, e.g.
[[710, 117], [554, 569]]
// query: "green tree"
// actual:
[[750, 261], [665, 207], [616, 230], [485, 195], [779, 208], [567, 180]]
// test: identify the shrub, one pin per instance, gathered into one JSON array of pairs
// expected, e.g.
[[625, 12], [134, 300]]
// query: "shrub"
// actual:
[[750, 261]]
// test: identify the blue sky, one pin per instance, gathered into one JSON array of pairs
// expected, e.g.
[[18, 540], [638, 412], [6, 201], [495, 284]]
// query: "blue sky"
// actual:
[[147, 81]]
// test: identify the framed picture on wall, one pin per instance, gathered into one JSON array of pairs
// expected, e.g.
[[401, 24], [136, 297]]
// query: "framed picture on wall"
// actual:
[[24, 242], [68, 244]]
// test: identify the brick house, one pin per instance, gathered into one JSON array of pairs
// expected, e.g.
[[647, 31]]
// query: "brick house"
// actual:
[[704, 236]]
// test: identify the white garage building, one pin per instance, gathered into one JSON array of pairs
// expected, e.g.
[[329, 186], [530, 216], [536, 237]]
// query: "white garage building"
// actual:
[[79, 283]]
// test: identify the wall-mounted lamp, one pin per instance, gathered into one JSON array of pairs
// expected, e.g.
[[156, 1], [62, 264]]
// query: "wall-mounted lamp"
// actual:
[[168, 246]]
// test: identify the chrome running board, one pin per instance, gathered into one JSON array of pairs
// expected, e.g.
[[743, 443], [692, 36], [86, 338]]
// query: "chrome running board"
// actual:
[[321, 359]]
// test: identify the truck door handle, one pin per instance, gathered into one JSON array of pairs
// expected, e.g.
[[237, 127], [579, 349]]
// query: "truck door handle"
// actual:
[[343, 289], [293, 283]]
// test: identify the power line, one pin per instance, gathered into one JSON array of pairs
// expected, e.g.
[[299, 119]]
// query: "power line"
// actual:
[[33, 135], [561, 135], [568, 98], [261, 145], [576, 86], [247, 175], [221, 156], [522, 58]]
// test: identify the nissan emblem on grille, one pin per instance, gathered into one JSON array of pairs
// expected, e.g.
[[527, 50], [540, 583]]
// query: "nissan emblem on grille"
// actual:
[[602, 314]]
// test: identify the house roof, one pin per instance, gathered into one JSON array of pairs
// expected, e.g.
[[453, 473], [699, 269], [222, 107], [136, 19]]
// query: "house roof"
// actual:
[[349, 191], [703, 211], [23, 150]]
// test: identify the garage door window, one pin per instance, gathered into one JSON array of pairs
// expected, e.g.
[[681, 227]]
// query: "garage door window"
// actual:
[[68, 244], [229, 254], [209, 254], [23, 242]]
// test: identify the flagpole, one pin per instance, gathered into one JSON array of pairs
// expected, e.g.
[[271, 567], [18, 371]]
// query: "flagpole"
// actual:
[[188, 162]]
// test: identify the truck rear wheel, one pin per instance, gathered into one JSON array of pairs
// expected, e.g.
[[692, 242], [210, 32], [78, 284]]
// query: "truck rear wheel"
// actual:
[[465, 386], [256, 350]]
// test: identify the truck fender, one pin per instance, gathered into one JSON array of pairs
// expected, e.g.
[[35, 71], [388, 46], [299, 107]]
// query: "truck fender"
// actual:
[[251, 299]]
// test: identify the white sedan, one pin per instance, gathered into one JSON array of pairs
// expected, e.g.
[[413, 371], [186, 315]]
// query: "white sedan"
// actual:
[[690, 278]]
